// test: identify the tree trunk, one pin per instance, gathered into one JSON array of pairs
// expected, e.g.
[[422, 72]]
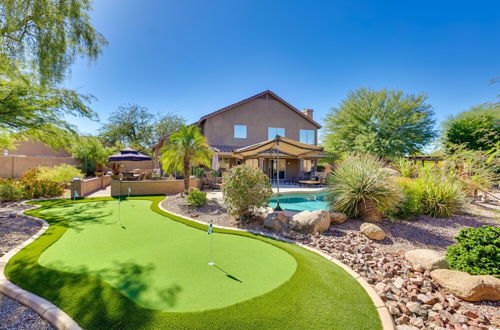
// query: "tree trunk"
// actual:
[[186, 175], [368, 211]]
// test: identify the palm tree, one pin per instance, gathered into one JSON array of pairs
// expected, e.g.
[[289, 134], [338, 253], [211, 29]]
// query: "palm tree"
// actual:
[[185, 148]]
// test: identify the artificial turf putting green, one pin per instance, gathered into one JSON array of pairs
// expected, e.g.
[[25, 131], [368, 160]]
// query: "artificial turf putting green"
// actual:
[[319, 294], [163, 264]]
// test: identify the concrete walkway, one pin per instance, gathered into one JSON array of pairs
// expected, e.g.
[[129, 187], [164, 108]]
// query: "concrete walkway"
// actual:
[[106, 192]]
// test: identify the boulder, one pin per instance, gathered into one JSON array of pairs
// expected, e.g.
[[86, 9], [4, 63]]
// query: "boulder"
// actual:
[[429, 259], [276, 222], [309, 222], [372, 231], [337, 217], [468, 287]]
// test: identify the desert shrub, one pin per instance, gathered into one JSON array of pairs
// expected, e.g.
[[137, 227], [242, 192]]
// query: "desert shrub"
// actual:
[[434, 192], [35, 187], [245, 189], [360, 186], [197, 198], [10, 191], [62, 174], [410, 205], [406, 168], [477, 251]]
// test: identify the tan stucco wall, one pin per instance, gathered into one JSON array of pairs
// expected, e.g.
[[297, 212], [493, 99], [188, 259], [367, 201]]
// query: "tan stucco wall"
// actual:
[[151, 187], [85, 187], [257, 115], [15, 166], [35, 148]]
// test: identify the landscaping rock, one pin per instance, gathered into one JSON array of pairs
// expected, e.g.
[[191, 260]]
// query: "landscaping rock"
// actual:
[[468, 287], [337, 217], [310, 222], [429, 259], [277, 222], [372, 231]]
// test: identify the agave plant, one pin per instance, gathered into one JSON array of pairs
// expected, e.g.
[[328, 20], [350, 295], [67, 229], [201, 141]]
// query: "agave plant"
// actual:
[[360, 186]]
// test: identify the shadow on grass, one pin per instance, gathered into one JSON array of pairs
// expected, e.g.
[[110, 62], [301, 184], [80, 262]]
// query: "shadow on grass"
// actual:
[[227, 274]]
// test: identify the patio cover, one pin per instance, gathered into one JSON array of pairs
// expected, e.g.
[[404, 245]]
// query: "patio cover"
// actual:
[[128, 154], [284, 145]]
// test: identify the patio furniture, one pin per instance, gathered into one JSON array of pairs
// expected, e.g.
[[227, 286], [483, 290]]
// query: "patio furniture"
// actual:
[[309, 182], [212, 181]]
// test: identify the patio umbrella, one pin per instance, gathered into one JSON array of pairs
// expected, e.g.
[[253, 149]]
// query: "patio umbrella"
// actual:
[[128, 154], [215, 161]]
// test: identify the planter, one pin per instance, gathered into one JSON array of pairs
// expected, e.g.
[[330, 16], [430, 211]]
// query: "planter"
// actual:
[[99, 173], [116, 176]]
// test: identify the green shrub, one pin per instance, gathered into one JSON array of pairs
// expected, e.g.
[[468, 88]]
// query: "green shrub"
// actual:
[[198, 172], [410, 205], [407, 168], [34, 187], [245, 189], [62, 174], [361, 185], [197, 198], [10, 191], [434, 192], [477, 251]]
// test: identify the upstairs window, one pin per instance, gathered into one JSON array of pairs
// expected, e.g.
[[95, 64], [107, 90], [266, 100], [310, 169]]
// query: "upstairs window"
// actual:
[[240, 131], [307, 136], [273, 131]]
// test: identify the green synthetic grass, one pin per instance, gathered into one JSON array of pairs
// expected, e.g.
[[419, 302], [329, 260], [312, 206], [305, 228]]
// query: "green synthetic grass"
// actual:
[[162, 264], [318, 295]]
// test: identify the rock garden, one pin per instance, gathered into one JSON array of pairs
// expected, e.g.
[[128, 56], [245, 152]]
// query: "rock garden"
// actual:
[[433, 268]]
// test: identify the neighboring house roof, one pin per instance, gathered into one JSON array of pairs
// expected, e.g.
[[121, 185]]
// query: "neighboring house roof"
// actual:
[[232, 106], [251, 98]]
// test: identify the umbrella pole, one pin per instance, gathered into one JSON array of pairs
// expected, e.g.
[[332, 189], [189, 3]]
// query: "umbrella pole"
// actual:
[[278, 207]]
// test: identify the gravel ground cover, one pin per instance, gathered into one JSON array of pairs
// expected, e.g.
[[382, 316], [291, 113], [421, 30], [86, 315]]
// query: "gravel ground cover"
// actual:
[[13, 315]]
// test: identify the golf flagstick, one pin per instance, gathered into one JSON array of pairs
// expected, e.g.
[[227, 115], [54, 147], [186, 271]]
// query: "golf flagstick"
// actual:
[[129, 192], [210, 230], [119, 215]]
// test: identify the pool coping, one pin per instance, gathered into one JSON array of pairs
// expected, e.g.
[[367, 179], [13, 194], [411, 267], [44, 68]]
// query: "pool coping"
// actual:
[[382, 310], [60, 320], [47, 310]]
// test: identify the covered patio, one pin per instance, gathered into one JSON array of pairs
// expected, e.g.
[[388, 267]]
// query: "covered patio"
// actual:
[[282, 159]]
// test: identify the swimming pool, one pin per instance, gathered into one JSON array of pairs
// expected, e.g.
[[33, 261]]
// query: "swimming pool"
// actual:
[[301, 202]]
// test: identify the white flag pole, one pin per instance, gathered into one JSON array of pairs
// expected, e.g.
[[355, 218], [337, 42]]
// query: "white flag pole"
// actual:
[[119, 214], [210, 232], [128, 192]]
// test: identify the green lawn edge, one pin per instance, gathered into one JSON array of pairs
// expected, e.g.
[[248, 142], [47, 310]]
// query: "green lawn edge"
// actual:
[[319, 295]]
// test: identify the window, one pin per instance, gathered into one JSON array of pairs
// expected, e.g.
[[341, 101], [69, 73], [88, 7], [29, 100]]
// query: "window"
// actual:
[[240, 131], [307, 136], [273, 131]]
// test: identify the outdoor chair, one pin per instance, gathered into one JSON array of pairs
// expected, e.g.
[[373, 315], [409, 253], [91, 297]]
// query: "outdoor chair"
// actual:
[[212, 181]]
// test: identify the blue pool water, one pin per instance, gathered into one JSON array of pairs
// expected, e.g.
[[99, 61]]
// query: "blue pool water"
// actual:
[[302, 202]]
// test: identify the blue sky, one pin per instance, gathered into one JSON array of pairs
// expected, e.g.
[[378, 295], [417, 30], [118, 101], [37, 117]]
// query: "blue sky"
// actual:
[[194, 57]]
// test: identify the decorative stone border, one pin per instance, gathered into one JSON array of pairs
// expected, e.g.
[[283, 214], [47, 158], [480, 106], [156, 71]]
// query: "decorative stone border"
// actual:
[[47, 310], [382, 310]]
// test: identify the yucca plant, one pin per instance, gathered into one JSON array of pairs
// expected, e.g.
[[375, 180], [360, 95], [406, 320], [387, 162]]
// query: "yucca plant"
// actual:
[[360, 186]]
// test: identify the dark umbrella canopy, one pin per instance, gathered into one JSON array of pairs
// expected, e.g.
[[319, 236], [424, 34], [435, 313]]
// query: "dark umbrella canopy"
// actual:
[[128, 154]]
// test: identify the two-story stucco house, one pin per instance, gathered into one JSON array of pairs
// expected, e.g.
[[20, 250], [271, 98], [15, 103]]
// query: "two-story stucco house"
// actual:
[[254, 120]]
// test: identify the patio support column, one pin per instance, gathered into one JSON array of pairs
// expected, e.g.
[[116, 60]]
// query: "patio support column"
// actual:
[[261, 164], [301, 167]]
